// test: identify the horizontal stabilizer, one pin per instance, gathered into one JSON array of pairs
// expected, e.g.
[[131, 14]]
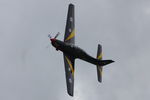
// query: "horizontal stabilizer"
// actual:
[[101, 63], [99, 68]]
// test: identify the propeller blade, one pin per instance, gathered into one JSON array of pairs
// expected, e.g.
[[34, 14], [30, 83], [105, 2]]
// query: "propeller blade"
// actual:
[[56, 35], [49, 36]]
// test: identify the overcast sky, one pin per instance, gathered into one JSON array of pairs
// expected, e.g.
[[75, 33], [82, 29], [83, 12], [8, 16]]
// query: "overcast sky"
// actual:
[[31, 69]]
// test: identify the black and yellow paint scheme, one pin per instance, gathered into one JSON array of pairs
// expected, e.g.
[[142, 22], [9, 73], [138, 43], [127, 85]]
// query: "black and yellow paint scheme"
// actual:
[[99, 68], [72, 52], [69, 38]]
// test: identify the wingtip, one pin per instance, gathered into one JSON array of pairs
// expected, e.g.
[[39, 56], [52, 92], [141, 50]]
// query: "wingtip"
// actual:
[[70, 94], [71, 4], [99, 81]]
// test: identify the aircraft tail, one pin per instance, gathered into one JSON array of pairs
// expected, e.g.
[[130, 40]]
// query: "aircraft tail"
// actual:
[[101, 63], [99, 68]]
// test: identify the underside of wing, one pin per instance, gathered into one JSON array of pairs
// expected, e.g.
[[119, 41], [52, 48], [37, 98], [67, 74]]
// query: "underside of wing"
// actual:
[[69, 71], [70, 26]]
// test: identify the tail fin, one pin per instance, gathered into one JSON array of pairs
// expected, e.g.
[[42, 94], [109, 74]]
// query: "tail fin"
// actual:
[[99, 68]]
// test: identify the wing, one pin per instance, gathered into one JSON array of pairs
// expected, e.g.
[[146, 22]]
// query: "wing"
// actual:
[[69, 71], [70, 26]]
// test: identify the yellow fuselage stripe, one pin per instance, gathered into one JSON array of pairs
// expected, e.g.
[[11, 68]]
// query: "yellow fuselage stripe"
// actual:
[[70, 65]]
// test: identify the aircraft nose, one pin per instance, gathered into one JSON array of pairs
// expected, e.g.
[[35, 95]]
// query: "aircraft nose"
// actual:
[[53, 40]]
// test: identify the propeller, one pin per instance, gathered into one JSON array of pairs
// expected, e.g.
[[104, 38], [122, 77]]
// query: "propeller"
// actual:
[[54, 37]]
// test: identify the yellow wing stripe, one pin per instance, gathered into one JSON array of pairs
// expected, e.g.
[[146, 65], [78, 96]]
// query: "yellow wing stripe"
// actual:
[[100, 70], [70, 65], [100, 56], [72, 34]]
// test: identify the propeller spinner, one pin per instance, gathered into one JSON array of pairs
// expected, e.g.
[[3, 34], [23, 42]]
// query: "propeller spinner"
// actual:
[[53, 39]]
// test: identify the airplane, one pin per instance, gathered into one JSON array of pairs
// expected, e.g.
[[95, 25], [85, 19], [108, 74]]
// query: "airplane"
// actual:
[[72, 52]]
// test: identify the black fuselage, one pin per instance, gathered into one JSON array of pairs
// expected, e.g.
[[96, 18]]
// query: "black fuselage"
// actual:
[[74, 51]]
